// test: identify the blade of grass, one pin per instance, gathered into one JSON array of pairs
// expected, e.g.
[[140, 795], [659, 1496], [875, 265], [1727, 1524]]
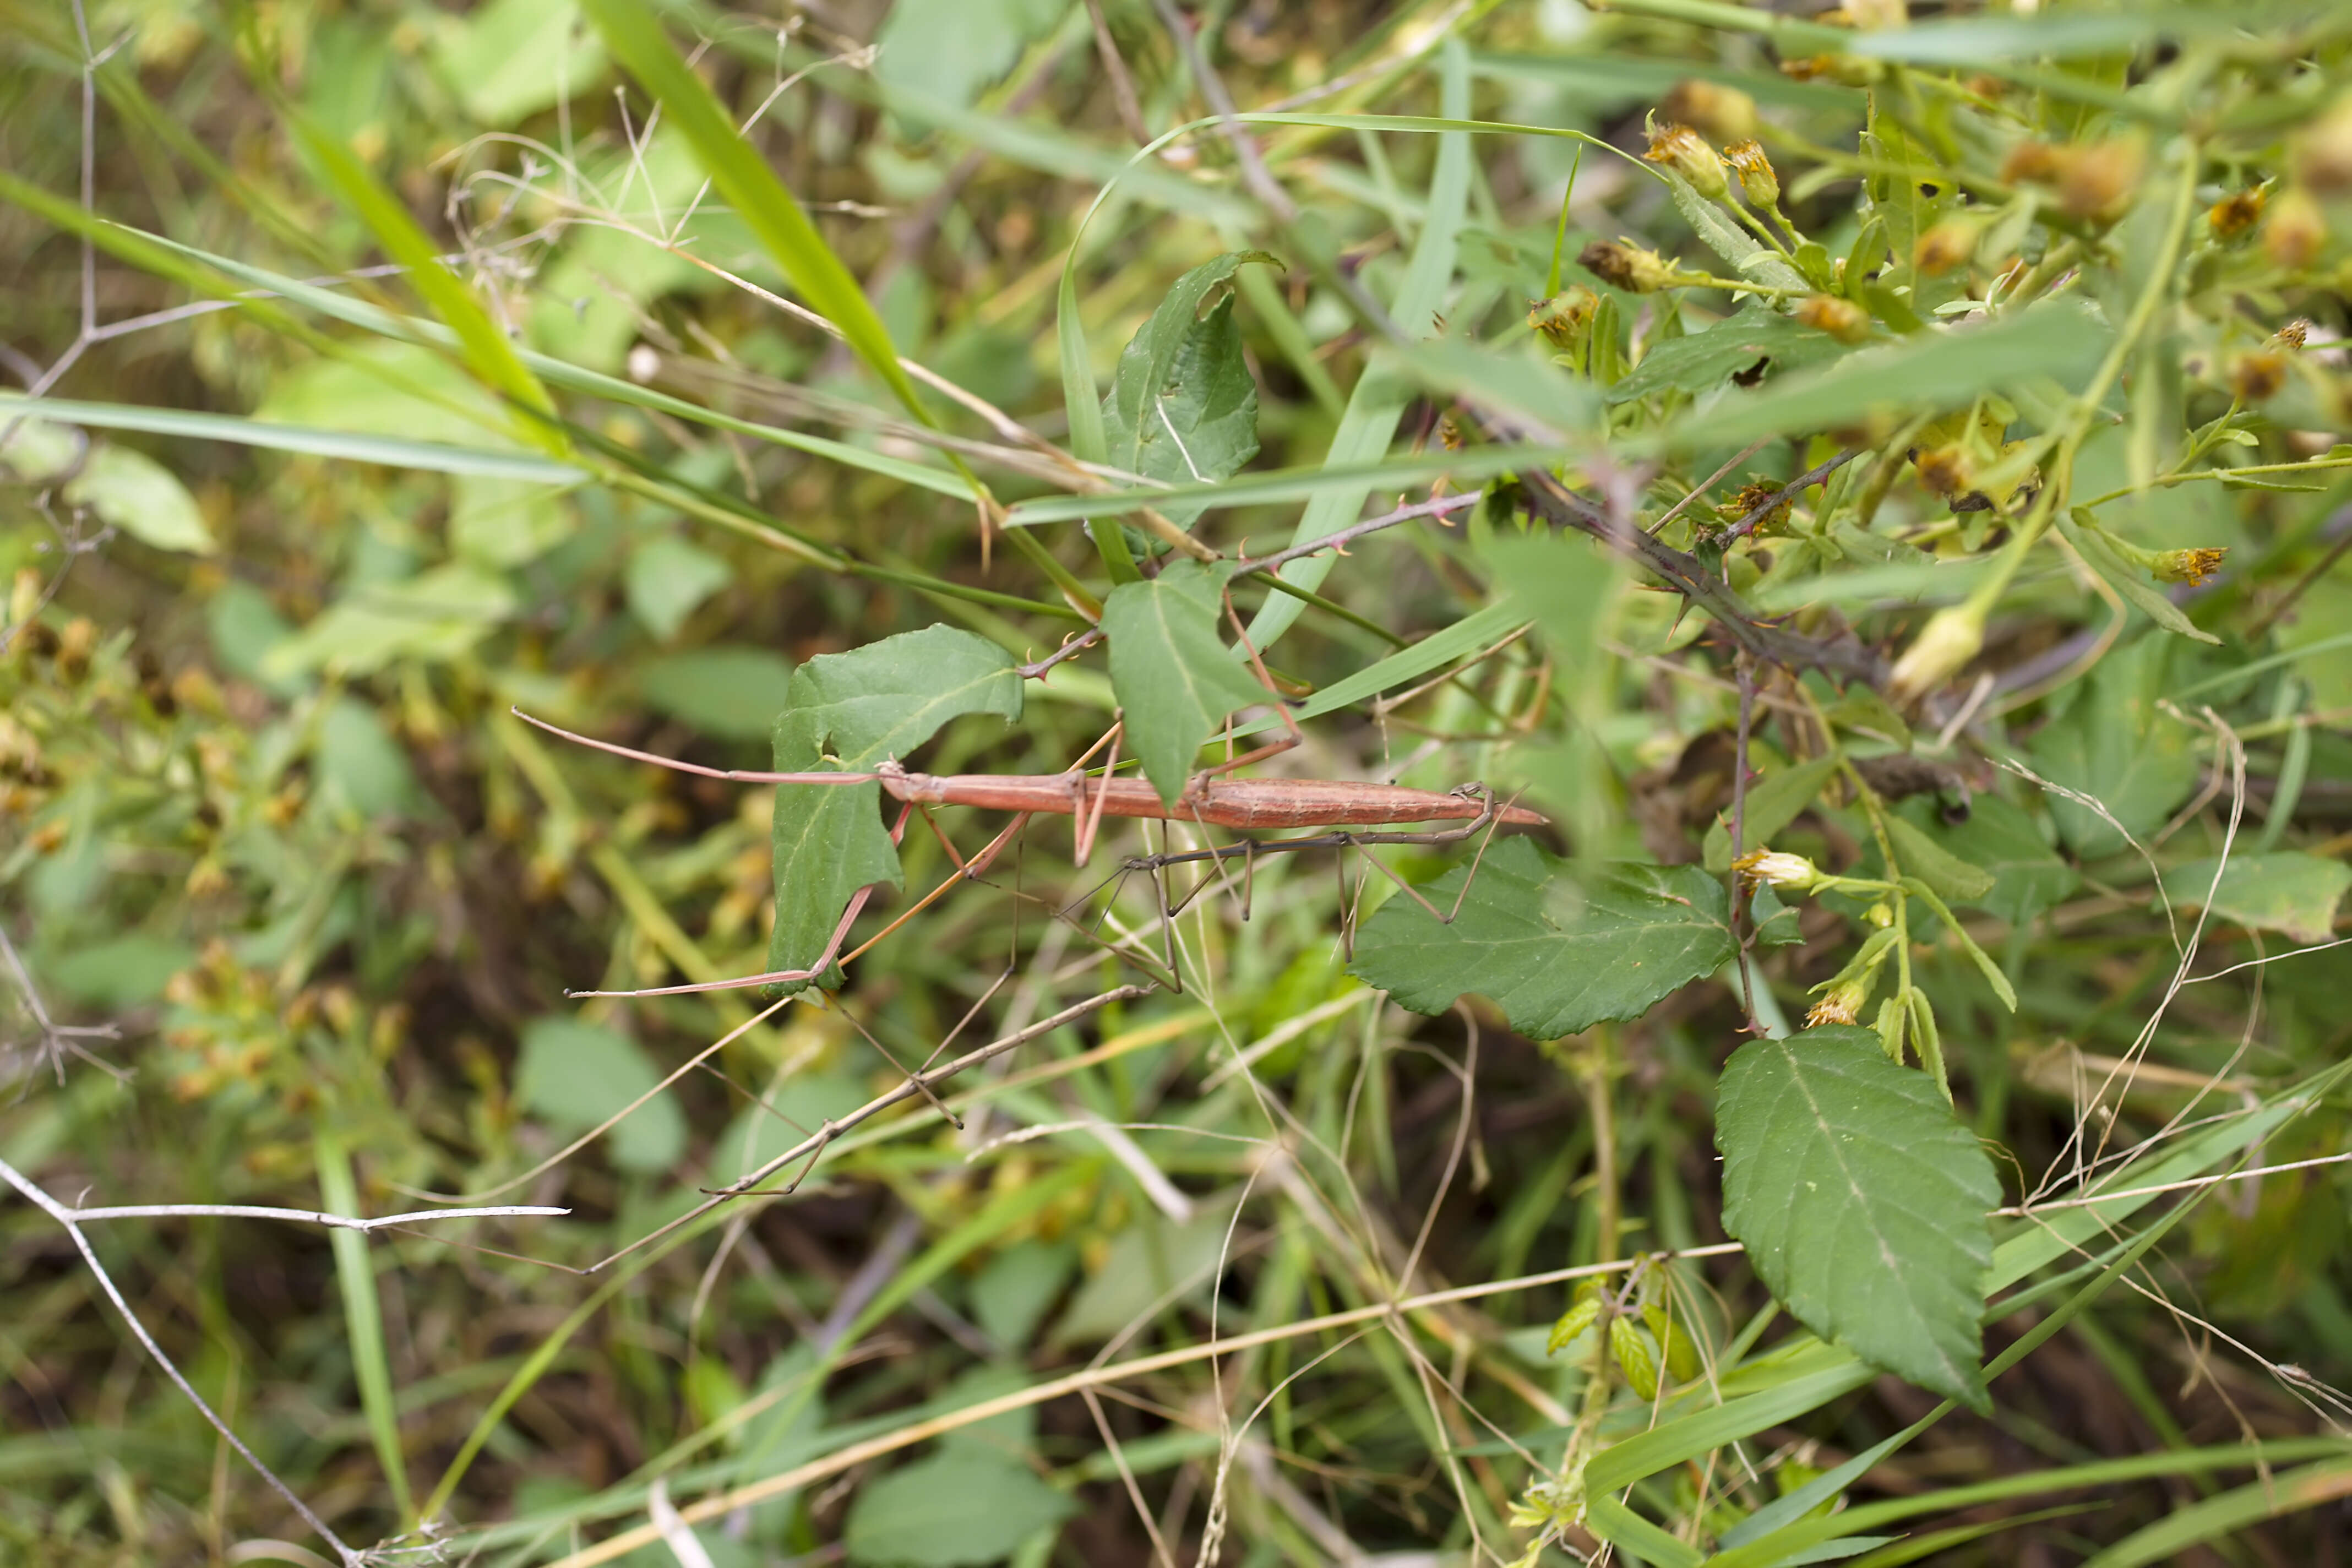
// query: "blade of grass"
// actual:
[[362, 1316]]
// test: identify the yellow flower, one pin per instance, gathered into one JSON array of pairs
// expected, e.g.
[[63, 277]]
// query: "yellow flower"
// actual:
[[1686, 151], [1841, 1003], [1563, 319], [2236, 213], [2189, 566], [1759, 180], [1789, 873], [1948, 245]]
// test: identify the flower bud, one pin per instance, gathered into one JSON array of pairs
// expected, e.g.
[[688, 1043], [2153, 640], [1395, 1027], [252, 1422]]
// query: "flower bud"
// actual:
[[2323, 154], [2257, 375], [1948, 245], [2296, 232], [2103, 179], [1686, 151], [1759, 180], [2234, 214], [2189, 566], [1846, 71], [1840, 318], [1951, 638], [1786, 873], [1563, 319], [1625, 265], [1842, 1002], [1722, 111]]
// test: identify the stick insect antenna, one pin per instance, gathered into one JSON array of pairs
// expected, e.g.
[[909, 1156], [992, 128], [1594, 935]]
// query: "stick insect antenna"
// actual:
[[738, 775]]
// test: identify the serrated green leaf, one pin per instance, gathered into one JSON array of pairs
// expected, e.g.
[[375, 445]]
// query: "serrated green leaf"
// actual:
[[963, 1506], [2117, 747], [1183, 406], [1634, 1358], [1919, 856], [1773, 801], [845, 712], [2284, 891], [1863, 1202], [134, 492], [1700, 362], [1722, 234], [1173, 677], [1557, 958]]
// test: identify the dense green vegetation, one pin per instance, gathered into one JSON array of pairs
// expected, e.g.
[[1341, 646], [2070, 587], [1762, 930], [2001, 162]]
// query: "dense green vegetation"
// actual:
[[1873, 484]]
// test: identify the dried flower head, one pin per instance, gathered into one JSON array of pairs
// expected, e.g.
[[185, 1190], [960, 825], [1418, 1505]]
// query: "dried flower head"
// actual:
[[2036, 161], [1723, 111], [1750, 496], [2292, 335], [1948, 245], [1563, 319], [1759, 180], [1627, 266], [2257, 375], [1948, 470], [2236, 214], [1686, 151], [1841, 1004], [2323, 154], [2189, 566], [2296, 232], [2102, 179], [1786, 873], [1840, 318]]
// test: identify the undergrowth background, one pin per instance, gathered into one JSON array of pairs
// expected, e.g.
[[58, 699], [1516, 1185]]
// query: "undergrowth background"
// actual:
[[292, 900]]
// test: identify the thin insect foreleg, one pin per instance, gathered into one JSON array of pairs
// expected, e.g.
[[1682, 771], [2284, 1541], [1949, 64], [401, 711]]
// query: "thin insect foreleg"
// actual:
[[913, 1078]]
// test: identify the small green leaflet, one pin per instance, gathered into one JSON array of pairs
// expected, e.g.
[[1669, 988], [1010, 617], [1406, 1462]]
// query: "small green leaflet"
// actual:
[[1555, 956], [2117, 746], [1173, 677], [2001, 838], [1183, 409], [1947, 875], [1862, 1201], [1704, 361], [2286, 891], [848, 711]]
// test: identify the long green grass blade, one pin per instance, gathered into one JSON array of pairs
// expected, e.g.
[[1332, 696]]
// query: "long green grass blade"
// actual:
[[362, 1316]]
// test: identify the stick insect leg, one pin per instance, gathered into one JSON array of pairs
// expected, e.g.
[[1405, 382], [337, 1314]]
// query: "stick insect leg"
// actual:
[[1291, 737], [1085, 824], [914, 1078]]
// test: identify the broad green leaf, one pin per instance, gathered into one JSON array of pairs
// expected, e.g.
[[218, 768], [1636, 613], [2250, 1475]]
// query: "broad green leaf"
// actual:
[[2092, 544], [1773, 801], [1010, 1296], [1512, 380], [1183, 407], [1701, 362], [2117, 747], [951, 50], [1863, 1202], [1173, 677], [963, 1506], [849, 711], [1721, 233], [506, 522], [1940, 369], [743, 177], [733, 692], [574, 1075], [2028, 877], [435, 615], [2284, 891], [1950, 877], [1148, 1259], [511, 58], [360, 764], [666, 580], [134, 492], [1556, 957], [1473, 633], [37, 449]]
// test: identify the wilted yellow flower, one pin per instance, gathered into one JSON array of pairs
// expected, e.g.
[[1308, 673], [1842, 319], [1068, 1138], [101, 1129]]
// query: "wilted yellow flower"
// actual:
[[2189, 566], [1840, 318], [1750, 496], [1686, 151], [2296, 231], [1625, 265], [1947, 470], [1759, 180], [2257, 374], [1564, 319], [2292, 335], [1841, 1002], [1723, 111], [1951, 638], [1787, 873], [2236, 213]]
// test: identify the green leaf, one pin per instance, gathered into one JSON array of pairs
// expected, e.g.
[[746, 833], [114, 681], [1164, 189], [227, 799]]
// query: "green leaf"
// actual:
[[574, 1076], [1948, 875], [668, 579], [733, 692], [1940, 369], [1722, 234], [1183, 407], [134, 492], [2028, 877], [511, 58], [2092, 544], [1863, 1202], [435, 615], [1773, 801], [960, 1506], [1174, 678], [851, 711], [1512, 380], [951, 50], [2285, 890], [2117, 747], [1557, 958], [743, 177], [1701, 362]]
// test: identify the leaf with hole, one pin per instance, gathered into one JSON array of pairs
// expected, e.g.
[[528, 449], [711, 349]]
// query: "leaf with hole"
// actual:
[[850, 711], [1702, 361], [1863, 1202], [1173, 677], [1183, 409], [1556, 957]]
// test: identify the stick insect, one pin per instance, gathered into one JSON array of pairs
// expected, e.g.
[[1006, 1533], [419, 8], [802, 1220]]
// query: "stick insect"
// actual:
[[1209, 799]]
